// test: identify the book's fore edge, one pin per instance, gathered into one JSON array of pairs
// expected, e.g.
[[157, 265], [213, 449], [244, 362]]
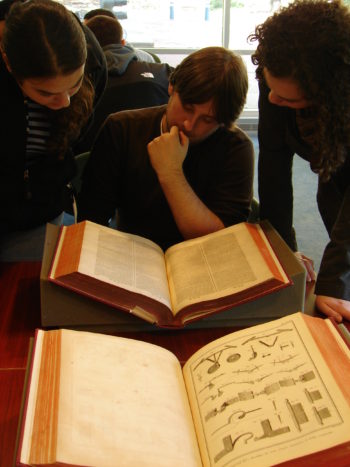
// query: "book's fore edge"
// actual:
[[245, 297], [268, 252], [44, 435], [68, 250], [55, 256], [24, 403], [344, 333], [143, 314], [339, 366]]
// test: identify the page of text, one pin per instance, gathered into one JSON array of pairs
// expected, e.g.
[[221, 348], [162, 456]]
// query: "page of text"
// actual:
[[125, 260], [214, 266]]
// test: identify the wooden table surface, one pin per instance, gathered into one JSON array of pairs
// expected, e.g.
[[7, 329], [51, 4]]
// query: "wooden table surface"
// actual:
[[20, 316]]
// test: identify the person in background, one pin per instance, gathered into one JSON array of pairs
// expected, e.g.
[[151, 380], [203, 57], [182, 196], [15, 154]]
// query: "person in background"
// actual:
[[4, 8], [52, 73], [131, 84], [181, 170], [141, 55], [98, 12], [303, 68]]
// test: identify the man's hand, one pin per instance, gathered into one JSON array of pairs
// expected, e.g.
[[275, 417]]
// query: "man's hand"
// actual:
[[333, 307], [193, 218], [167, 153], [308, 265]]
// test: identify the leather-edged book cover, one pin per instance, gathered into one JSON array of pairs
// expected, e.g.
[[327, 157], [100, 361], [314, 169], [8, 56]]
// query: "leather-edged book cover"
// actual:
[[64, 308]]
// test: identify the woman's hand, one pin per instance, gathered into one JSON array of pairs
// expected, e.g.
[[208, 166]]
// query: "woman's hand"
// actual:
[[333, 307], [308, 265]]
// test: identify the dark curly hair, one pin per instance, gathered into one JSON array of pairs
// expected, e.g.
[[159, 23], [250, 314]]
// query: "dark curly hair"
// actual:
[[44, 39], [309, 42]]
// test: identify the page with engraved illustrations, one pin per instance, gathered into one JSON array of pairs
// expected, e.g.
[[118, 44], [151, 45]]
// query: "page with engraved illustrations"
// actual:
[[220, 264], [120, 402], [265, 395]]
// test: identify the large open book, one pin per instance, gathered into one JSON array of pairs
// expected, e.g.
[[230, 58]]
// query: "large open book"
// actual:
[[192, 279], [268, 394]]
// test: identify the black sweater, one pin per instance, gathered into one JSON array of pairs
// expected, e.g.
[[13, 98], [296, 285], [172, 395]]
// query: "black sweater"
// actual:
[[48, 178], [279, 140]]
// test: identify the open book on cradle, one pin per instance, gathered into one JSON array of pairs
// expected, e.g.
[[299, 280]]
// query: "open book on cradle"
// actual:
[[266, 395], [192, 279]]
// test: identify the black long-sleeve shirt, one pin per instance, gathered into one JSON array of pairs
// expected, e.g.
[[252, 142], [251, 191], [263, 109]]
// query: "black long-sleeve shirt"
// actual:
[[47, 179], [279, 141], [119, 175]]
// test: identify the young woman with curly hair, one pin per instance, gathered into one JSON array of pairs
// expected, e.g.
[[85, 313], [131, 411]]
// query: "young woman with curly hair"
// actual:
[[303, 68], [52, 74]]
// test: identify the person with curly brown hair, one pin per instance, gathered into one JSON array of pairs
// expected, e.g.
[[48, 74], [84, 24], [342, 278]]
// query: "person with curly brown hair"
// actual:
[[303, 68], [52, 73]]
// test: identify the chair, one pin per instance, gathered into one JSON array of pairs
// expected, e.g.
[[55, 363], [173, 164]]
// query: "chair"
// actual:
[[254, 211], [155, 56], [73, 189], [81, 160]]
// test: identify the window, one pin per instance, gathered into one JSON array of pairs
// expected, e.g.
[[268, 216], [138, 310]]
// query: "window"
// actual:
[[174, 28]]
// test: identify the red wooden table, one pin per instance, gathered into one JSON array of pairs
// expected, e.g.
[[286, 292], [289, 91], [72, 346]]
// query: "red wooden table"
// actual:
[[20, 316]]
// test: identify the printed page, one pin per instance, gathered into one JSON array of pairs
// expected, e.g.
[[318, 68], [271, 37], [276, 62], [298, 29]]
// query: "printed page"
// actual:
[[265, 395], [129, 261], [123, 402], [214, 266]]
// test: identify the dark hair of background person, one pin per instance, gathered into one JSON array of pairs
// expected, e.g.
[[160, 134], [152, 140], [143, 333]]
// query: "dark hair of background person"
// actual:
[[107, 30], [132, 83], [5, 6], [213, 73], [99, 12], [309, 42], [42, 39]]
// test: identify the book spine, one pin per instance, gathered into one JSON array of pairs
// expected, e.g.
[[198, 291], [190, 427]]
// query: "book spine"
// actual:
[[261, 240], [69, 256], [24, 403]]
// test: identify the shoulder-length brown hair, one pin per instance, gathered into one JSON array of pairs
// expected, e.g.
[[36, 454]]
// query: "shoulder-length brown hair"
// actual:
[[42, 39]]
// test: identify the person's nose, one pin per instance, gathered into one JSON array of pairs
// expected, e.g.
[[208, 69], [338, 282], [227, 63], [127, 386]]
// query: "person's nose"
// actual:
[[62, 100], [190, 122], [274, 99]]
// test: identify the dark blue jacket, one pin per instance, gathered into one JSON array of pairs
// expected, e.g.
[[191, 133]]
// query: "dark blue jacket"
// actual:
[[132, 84]]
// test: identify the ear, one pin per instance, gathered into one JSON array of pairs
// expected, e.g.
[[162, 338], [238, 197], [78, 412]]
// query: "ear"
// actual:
[[170, 89], [123, 42], [4, 57]]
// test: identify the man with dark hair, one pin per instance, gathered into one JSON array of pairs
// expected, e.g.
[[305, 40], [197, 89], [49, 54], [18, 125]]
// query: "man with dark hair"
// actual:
[[181, 170], [141, 55], [132, 84], [98, 12]]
